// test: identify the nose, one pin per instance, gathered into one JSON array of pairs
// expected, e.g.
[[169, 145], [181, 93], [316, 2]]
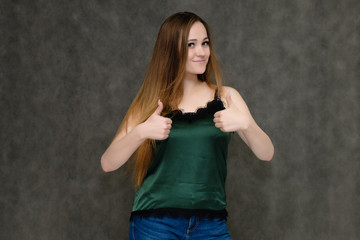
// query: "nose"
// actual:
[[200, 51]]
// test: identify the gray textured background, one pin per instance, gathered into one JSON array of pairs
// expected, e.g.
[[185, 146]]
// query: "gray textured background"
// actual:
[[69, 70]]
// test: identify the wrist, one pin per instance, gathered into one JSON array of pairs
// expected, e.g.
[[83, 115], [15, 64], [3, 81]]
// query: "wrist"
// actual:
[[248, 125], [140, 132]]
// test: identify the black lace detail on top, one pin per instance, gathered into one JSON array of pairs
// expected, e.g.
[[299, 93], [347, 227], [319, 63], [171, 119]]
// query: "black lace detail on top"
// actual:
[[209, 110], [181, 213]]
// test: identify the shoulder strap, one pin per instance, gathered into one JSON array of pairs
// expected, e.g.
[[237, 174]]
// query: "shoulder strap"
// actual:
[[216, 95]]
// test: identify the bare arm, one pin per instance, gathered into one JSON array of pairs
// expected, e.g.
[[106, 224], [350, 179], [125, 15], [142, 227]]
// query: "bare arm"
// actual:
[[237, 117], [127, 142], [121, 149]]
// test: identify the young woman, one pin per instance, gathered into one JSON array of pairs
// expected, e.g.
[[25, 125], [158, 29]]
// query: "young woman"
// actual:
[[179, 127]]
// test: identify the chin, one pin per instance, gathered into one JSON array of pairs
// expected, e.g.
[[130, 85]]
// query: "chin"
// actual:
[[199, 71], [196, 70]]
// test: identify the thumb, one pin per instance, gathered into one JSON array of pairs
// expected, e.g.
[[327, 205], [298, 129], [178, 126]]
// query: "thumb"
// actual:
[[228, 99], [159, 108]]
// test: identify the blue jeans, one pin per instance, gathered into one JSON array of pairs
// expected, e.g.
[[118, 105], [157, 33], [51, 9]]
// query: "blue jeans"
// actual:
[[166, 228]]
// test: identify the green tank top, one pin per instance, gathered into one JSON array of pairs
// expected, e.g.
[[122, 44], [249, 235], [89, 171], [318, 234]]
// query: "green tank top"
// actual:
[[189, 167]]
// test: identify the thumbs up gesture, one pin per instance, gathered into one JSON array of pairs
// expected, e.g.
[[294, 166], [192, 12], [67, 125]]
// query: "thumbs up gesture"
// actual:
[[232, 118], [157, 127]]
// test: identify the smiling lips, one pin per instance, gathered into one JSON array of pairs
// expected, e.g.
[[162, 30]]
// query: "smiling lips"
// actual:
[[200, 61]]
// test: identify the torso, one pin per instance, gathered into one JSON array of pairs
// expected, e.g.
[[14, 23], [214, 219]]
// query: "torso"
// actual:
[[189, 169]]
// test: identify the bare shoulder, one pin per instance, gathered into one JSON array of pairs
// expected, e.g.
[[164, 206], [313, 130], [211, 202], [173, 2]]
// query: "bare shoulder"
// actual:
[[225, 90], [235, 97]]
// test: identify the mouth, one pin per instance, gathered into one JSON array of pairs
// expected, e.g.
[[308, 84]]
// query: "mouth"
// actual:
[[199, 61]]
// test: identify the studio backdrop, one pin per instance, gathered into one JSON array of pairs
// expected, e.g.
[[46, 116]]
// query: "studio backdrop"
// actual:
[[70, 69]]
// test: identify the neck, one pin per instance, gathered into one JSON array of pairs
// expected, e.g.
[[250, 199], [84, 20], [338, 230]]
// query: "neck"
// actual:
[[190, 82]]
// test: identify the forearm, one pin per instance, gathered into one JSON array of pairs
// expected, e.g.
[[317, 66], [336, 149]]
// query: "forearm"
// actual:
[[258, 141], [120, 150]]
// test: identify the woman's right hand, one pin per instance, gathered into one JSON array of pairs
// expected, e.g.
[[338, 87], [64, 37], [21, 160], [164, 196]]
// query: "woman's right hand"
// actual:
[[126, 142], [157, 127]]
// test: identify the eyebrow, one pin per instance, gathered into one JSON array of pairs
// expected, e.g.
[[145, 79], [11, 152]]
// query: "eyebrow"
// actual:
[[195, 40]]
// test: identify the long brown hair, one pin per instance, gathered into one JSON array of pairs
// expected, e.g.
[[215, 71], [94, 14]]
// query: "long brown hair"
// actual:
[[163, 81]]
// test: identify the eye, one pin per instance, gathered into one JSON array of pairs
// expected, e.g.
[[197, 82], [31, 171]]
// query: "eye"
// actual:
[[191, 44], [206, 43]]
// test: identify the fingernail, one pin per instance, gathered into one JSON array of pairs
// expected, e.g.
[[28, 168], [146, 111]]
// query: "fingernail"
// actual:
[[230, 93]]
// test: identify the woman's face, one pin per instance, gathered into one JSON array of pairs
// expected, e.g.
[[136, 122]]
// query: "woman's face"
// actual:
[[198, 49]]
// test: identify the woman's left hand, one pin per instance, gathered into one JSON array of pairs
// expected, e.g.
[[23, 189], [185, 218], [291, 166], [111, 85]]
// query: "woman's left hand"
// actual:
[[232, 119]]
